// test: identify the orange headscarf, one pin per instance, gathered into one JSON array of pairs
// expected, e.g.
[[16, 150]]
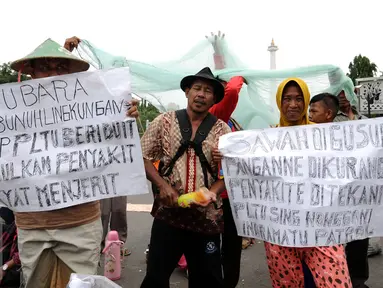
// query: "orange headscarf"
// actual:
[[306, 96]]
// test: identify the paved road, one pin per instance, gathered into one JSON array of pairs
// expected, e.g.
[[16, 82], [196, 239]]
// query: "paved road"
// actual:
[[254, 272]]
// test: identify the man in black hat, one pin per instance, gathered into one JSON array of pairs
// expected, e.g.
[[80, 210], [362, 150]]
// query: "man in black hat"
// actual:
[[183, 141]]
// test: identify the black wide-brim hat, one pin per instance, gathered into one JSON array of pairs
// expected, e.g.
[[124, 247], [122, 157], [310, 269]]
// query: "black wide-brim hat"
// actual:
[[207, 75]]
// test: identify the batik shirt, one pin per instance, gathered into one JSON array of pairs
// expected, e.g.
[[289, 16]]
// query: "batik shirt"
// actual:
[[161, 142]]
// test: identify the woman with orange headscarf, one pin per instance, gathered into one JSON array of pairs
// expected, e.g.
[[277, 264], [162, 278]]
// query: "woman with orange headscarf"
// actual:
[[328, 265]]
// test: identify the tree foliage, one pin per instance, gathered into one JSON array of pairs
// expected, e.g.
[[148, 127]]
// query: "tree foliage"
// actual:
[[7, 75], [147, 112], [361, 67]]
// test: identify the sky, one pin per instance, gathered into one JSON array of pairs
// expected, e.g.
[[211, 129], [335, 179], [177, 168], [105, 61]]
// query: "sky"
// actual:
[[306, 32]]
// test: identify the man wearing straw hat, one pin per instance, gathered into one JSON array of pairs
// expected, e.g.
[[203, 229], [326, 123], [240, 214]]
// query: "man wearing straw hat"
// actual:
[[54, 244]]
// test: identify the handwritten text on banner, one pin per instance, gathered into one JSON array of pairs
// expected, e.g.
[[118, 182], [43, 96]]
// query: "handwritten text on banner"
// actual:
[[65, 141], [314, 185]]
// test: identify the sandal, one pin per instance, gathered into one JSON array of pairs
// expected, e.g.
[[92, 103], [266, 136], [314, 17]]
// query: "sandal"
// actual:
[[245, 243], [125, 252]]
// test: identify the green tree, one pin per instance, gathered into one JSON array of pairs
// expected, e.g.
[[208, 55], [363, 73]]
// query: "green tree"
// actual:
[[361, 67], [147, 112], [7, 75]]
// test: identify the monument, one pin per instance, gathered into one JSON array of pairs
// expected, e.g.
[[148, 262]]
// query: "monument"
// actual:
[[273, 49]]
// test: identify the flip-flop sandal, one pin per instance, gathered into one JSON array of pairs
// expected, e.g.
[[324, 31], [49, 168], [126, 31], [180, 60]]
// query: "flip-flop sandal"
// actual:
[[125, 252]]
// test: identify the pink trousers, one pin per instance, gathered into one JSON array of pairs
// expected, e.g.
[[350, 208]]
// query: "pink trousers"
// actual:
[[328, 266]]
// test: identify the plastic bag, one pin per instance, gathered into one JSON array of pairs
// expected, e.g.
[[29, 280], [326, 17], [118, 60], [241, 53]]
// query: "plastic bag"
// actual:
[[90, 281]]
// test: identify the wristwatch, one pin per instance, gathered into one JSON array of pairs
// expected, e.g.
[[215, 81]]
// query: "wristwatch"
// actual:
[[5, 267]]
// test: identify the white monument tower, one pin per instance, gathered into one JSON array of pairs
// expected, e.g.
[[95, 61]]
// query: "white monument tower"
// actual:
[[273, 49]]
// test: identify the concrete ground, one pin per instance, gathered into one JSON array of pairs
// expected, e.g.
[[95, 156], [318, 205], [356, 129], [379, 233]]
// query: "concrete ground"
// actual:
[[254, 272]]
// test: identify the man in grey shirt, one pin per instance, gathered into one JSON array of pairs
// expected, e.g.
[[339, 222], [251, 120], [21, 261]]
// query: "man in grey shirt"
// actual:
[[356, 251], [346, 111]]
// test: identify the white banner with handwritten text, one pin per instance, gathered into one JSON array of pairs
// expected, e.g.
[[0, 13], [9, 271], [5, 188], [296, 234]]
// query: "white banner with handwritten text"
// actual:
[[65, 141], [314, 185]]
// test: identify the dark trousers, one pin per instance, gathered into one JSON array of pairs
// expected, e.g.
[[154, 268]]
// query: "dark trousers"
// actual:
[[357, 261], [113, 215], [308, 277], [231, 248], [202, 252]]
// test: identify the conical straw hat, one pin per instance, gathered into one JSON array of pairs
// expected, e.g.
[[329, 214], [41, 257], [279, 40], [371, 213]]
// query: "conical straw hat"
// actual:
[[50, 49]]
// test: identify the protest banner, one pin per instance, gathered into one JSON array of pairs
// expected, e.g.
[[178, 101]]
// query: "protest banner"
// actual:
[[304, 186], [65, 140]]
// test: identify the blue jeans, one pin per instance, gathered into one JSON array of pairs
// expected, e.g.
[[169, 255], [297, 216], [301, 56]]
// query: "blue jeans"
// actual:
[[309, 279]]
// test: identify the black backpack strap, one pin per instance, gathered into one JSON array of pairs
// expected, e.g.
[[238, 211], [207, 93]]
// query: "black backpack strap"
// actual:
[[236, 125], [201, 134], [186, 133], [205, 165], [185, 125], [204, 129]]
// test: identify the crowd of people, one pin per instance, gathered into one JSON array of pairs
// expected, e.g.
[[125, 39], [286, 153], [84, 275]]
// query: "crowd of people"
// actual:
[[180, 154]]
